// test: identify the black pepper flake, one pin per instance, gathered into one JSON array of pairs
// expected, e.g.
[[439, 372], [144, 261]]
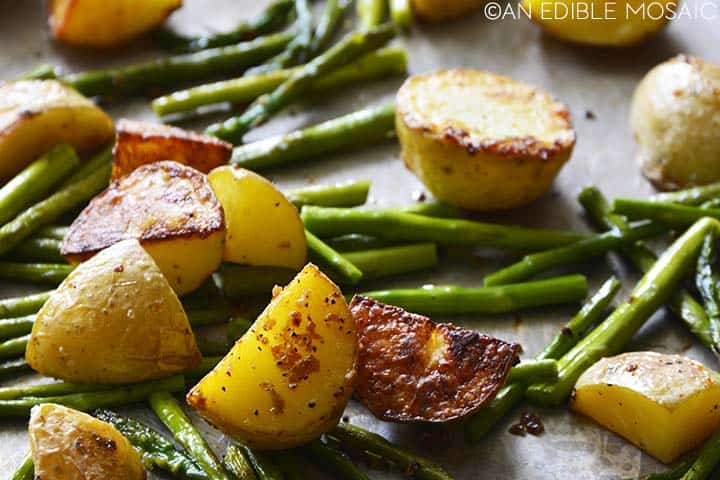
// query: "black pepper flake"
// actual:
[[311, 404]]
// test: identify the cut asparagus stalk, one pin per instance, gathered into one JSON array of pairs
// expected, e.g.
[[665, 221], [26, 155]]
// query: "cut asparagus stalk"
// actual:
[[371, 12], [238, 465], [52, 273], [38, 250], [26, 470], [396, 260], [333, 461], [15, 327], [668, 213], [20, 306], [325, 255], [342, 194], [534, 371]]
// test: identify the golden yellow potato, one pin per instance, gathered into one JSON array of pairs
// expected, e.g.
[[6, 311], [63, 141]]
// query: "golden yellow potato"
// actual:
[[288, 379], [170, 209], [603, 23], [114, 319], [675, 117], [664, 404], [263, 227], [481, 141], [441, 10], [35, 115], [70, 445], [98, 23]]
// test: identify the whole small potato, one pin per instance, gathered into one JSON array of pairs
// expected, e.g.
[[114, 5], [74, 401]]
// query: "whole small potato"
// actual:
[[675, 117]]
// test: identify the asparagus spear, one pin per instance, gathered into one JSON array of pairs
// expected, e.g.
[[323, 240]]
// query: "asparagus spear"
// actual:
[[166, 72], [534, 370], [431, 209], [358, 439], [352, 242], [88, 401], [452, 300], [50, 390], [654, 289], [365, 127], [157, 452], [322, 253], [345, 51], [262, 463], [329, 22], [13, 327], [52, 273], [238, 465], [682, 303], [241, 280], [26, 470], [38, 250], [343, 194], [401, 13], [707, 460], [293, 468], [43, 71], [706, 282], [400, 226], [206, 364], [690, 196], [237, 328], [36, 180], [371, 12], [511, 394], [379, 64], [333, 461], [667, 213], [169, 411], [55, 232], [16, 307], [388, 261], [535, 263], [211, 348], [14, 347], [15, 366]]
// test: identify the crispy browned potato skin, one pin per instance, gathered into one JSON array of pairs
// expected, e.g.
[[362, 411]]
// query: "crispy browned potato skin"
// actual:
[[413, 370], [139, 143]]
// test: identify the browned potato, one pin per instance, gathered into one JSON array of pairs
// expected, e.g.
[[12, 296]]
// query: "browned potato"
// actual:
[[170, 209], [139, 143], [413, 370]]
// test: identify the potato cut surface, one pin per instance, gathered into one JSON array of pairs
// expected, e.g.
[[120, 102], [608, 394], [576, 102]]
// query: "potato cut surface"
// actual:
[[413, 370]]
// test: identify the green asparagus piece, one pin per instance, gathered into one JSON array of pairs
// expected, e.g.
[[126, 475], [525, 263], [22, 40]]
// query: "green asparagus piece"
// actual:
[[13, 367], [206, 364], [169, 411], [322, 253], [707, 460], [379, 64], [432, 209], [512, 394], [26, 470], [43, 71], [53, 232], [352, 242], [333, 461], [157, 451], [536, 263], [38, 250], [399, 226], [52, 273], [20, 306], [262, 463], [166, 72], [208, 316], [343, 194], [211, 348], [396, 260], [690, 196], [14, 327], [682, 303], [88, 401], [50, 390], [238, 465], [654, 289], [371, 12], [534, 370], [352, 46], [292, 466], [706, 282], [355, 130], [242, 281], [237, 328], [401, 13], [328, 24], [15, 347], [36, 181], [358, 439], [452, 300], [668, 213]]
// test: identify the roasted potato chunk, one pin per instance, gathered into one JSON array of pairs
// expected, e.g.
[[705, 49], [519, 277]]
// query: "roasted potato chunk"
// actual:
[[441, 10], [97, 23], [70, 445], [413, 370], [288, 379], [114, 319], [139, 143], [35, 115], [665, 404], [481, 141], [675, 117], [263, 227], [170, 209]]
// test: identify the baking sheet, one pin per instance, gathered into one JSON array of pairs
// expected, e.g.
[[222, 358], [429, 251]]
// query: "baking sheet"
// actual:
[[600, 81]]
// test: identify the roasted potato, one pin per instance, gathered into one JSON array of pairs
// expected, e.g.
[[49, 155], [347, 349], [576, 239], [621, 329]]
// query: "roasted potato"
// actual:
[[263, 227], [413, 370], [441, 10], [97, 23], [626, 22], [35, 115], [114, 319], [675, 117], [138, 143], [70, 445], [665, 404], [481, 141], [170, 209], [288, 379]]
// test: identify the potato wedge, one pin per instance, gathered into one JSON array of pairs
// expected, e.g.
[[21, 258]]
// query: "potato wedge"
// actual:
[[665, 404], [288, 379], [433, 11], [263, 227], [138, 143], [114, 319], [481, 141], [35, 115], [413, 370], [170, 209], [70, 445], [97, 23]]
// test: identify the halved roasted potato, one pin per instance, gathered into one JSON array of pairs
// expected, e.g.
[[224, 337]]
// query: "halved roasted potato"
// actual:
[[288, 379], [665, 404], [170, 209], [35, 115], [97, 23], [70, 445], [263, 227], [413, 370], [441, 10], [114, 319], [482, 141], [138, 143]]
